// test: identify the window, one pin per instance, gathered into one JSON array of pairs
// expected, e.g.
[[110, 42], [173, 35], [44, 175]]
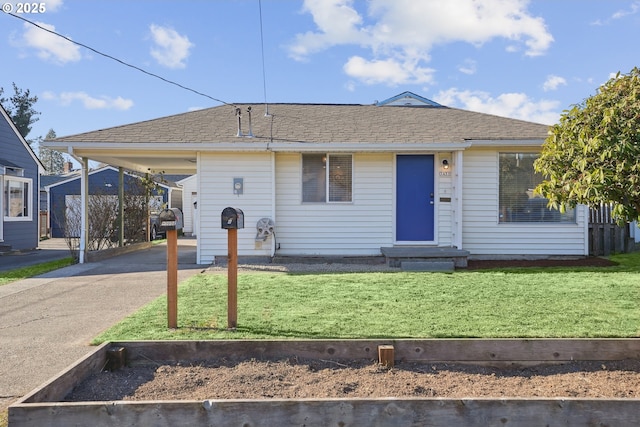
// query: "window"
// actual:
[[17, 198], [318, 186], [517, 203]]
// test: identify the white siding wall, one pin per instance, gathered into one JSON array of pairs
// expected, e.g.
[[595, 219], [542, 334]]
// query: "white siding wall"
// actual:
[[357, 228], [484, 236], [216, 173]]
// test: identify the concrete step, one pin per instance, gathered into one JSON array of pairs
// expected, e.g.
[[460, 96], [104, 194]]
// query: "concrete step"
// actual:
[[433, 266]]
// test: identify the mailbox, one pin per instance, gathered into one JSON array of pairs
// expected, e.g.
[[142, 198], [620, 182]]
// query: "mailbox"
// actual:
[[170, 219], [232, 218]]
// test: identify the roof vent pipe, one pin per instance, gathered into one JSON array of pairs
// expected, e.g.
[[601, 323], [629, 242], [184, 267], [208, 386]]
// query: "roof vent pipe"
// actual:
[[250, 134], [239, 116]]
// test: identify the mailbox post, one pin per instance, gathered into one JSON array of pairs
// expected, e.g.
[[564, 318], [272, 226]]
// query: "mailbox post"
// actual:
[[232, 219], [170, 222]]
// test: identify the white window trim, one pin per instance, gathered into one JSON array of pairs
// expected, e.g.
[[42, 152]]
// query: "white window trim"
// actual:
[[29, 181]]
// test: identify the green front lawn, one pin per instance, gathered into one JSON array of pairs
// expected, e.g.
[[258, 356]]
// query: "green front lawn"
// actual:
[[553, 302]]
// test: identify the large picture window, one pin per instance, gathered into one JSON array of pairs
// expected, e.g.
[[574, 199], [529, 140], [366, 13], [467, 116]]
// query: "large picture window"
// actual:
[[327, 177], [17, 198], [517, 203]]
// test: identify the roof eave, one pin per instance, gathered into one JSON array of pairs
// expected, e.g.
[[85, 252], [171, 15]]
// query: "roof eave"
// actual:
[[506, 142], [80, 147]]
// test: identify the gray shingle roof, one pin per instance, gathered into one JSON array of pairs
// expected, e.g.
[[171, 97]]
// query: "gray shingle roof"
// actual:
[[321, 123]]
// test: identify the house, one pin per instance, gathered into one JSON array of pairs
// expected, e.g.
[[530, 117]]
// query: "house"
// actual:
[[189, 204], [404, 174], [20, 170], [102, 181]]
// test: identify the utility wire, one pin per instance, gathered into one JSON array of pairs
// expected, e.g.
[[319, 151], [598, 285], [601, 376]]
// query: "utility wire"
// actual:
[[264, 73], [120, 61]]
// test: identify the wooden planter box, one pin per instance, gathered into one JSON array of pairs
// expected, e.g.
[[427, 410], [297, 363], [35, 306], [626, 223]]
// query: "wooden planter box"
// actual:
[[44, 406]]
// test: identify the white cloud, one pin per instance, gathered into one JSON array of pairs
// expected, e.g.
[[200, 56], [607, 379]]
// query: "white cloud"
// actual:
[[53, 5], [49, 46], [469, 67], [171, 49], [402, 33], [553, 82], [514, 105], [620, 14], [389, 71], [89, 102]]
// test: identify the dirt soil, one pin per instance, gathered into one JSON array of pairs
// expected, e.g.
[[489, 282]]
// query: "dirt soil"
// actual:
[[574, 262], [297, 379]]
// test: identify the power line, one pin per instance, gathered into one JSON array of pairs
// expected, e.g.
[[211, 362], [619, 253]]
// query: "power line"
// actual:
[[119, 60], [264, 73]]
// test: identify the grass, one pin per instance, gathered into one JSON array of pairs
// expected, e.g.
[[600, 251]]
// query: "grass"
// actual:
[[35, 270], [552, 302]]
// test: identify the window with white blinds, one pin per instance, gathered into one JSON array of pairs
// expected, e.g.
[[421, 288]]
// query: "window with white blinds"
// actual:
[[327, 177], [517, 201]]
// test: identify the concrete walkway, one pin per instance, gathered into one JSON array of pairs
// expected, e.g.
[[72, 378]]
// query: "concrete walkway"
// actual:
[[47, 322]]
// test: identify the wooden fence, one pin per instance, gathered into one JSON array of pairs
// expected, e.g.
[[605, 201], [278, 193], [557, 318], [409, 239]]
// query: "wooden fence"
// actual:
[[605, 236]]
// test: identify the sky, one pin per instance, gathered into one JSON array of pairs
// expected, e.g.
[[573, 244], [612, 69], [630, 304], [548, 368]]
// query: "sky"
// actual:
[[523, 59]]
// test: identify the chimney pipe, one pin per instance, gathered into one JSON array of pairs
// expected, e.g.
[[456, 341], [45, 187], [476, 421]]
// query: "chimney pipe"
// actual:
[[239, 116], [250, 134]]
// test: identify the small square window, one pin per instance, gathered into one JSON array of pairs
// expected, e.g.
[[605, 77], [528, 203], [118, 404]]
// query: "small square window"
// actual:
[[318, 186]]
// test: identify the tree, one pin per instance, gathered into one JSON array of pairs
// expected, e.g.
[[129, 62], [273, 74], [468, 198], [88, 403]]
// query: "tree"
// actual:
[[51, 159], [592, 155], [20, 109]]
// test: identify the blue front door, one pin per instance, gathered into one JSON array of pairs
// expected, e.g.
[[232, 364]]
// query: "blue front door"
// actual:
[[414, 198]]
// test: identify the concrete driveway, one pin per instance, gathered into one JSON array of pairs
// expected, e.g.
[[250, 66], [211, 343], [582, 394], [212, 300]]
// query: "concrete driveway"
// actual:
[[47, 322]]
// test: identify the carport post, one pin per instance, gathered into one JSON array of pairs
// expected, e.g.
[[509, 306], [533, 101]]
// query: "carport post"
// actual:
[[172, 278]]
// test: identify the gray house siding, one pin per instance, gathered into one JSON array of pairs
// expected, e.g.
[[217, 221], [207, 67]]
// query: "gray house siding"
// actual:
[[19, 235]]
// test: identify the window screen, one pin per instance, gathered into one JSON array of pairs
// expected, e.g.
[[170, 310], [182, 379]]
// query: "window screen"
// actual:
[[318, 186], [517, 203], [340, 178]]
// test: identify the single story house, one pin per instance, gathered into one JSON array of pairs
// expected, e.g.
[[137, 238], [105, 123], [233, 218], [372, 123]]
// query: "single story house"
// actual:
[[353, 180], [103, 181], [20, 171]]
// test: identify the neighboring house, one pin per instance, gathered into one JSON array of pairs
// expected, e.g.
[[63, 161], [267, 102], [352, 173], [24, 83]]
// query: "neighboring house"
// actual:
[[45, 181], [104, 180], [353, 180], [20, 170], [190, 204]]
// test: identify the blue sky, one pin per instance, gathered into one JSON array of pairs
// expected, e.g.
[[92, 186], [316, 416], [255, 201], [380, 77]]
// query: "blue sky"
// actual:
[[516, 58]]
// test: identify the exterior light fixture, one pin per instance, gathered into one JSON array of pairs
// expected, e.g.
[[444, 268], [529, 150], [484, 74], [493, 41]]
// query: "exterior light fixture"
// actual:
[[445, 164]]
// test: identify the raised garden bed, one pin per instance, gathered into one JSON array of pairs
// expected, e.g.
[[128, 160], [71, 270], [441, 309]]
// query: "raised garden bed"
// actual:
[[49, 404]]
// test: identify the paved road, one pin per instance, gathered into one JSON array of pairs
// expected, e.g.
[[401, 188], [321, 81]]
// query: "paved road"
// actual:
[[46, 323]]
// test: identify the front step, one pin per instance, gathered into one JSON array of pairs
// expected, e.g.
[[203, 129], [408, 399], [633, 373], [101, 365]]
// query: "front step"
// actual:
[[396, 255], [428, 266]]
